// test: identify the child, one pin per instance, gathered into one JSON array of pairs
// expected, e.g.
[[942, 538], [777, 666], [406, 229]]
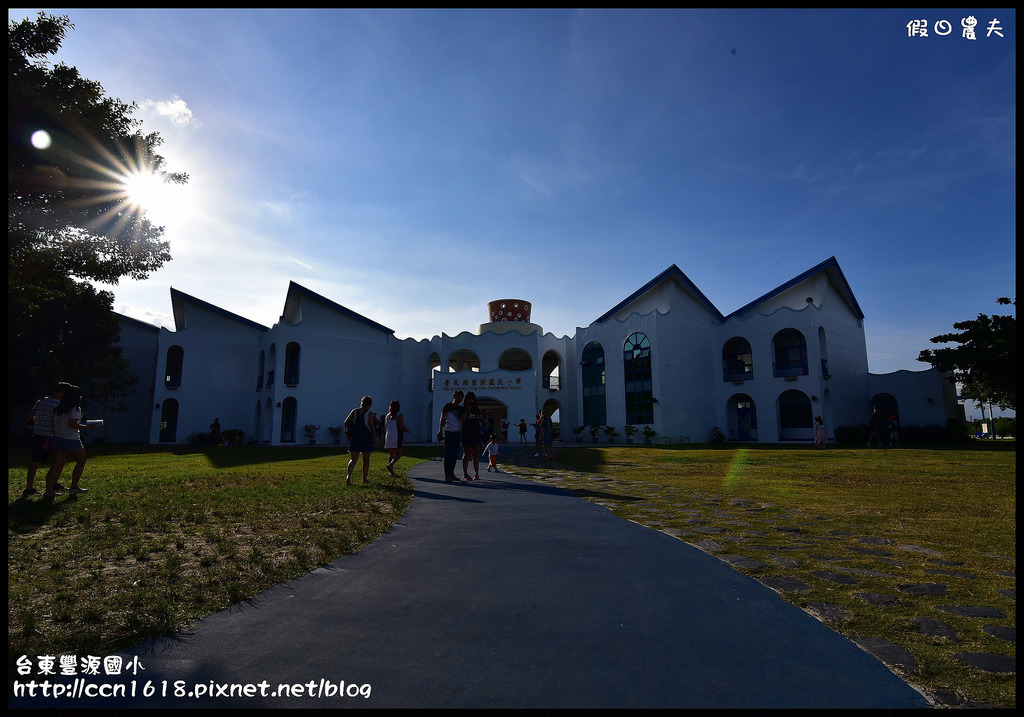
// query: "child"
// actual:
[[491, 451]]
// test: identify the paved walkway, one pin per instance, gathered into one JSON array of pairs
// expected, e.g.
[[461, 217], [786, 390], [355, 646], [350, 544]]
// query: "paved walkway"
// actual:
[[509, 593]]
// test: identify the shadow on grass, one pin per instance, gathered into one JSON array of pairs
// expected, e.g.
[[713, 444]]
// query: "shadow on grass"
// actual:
[[25, 515]]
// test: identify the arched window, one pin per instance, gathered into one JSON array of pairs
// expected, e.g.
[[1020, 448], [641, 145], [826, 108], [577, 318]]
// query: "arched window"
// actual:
[[464, 360], [435, 364], [639, 387], [795, 410], [272, 365], [823, 350], [289, 410], [790, 353], [175, 361], [550, 367], [259, 370], [737, 360], [291, 364], [592, 372], [169, 421], [515, 360]]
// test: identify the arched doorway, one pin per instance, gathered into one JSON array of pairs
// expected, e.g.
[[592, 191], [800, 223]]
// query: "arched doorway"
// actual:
[[494, 410], [553, 409], [742, 415], [169, 421]]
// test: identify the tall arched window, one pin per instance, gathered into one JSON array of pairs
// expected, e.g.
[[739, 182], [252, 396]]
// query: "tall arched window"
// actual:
[[550, 367], [639, 388], [737, 360], [175, 361], [592, 372], [790, 353], [291, 364], [289, 410]]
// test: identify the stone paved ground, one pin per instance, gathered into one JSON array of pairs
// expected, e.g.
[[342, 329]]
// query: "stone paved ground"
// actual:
[[778, 548]]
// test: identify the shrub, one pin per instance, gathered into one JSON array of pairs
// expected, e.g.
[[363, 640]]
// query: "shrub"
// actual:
[[199, 438]]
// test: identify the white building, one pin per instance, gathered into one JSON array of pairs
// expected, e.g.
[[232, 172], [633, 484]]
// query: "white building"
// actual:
[[663, 357]]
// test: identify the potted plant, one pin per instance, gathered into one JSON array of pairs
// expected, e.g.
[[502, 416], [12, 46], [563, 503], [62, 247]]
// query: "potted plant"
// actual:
[[630, 431], [594, 430], [311, 429], [579, 432], [649, 433], [336, 432], [611, 432]]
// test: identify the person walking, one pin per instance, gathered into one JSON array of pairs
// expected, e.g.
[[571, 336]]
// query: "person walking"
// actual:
[[538, 436], [450, 431], [41, 419], [66, 442], [547, 429], [394, 433], [472, 419], [522, 430], [894, 431], [873, 435], [819, 432], [360, 428]]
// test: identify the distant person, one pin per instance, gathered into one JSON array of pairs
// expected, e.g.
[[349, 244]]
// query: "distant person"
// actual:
[[215, 432], [819, 432], [472, 419], [67, 442], [894, 431], [41, 420], [874, 438], [485, 427], [449, 430], [492, 452], [504, 429], [538, 436], [547, 430], [522, 430], [360, 427], [394, 434]]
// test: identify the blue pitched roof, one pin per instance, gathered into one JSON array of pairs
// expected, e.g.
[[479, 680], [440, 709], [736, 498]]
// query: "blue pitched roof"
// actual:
[[830, 266], [182, 296], [299, 289], [674, 272], [137, 323]]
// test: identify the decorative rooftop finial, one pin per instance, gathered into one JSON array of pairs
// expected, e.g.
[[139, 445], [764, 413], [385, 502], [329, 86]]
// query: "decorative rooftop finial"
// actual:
[[509, 310]]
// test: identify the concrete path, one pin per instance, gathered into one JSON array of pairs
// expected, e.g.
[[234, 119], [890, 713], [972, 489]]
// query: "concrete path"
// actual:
[[508, 593]]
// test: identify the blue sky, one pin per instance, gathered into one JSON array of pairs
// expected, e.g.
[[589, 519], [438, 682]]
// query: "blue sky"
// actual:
[[413, 165]]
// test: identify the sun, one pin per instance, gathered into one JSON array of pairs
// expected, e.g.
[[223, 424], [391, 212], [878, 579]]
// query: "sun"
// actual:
[[149, 193]]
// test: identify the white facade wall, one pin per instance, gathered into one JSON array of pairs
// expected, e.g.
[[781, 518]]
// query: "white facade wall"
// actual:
[[216, 371], [343, 356]]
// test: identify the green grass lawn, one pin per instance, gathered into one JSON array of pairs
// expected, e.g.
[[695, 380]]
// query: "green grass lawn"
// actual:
[[882, 519], [165, 536]]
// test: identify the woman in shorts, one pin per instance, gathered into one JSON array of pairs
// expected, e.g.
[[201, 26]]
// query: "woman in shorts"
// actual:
[[66, 442]]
